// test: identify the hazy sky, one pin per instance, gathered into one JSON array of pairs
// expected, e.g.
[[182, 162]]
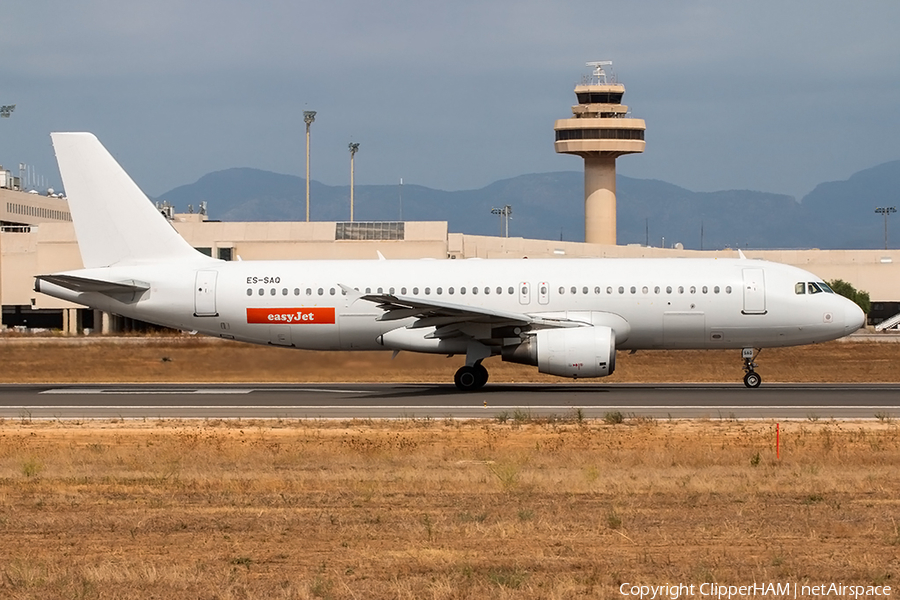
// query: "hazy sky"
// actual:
[[765, 95]]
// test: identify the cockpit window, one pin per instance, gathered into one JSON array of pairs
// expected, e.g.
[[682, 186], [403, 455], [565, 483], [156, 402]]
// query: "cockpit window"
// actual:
[[800, 288], [813, 288], [825, 287]]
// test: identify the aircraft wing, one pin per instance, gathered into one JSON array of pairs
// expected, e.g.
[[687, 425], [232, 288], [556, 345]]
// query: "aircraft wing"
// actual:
[[451, 319]]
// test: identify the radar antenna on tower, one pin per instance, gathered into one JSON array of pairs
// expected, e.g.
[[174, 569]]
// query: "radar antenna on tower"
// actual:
[[599, 73]]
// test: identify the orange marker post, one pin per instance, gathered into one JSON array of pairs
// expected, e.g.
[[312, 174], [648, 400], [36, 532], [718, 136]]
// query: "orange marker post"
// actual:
[[778, 441]]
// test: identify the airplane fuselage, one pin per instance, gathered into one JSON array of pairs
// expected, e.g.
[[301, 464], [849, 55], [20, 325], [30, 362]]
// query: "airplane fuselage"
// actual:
[[651, 303]]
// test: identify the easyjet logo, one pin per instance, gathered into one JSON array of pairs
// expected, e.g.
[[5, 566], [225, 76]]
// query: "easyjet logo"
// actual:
[[319, 314]]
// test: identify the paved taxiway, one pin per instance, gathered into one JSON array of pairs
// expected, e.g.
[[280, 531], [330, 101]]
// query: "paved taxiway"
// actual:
[[362, 401]]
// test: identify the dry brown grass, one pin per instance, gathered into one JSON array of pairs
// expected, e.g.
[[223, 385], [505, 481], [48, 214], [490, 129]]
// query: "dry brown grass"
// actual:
[[198, 359], [440, 509]]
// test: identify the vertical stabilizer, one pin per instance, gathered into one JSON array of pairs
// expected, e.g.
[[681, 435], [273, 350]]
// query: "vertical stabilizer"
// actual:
[[115, 223]]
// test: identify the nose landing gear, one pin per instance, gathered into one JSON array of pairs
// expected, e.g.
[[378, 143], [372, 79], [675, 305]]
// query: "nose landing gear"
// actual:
[[751, 378]]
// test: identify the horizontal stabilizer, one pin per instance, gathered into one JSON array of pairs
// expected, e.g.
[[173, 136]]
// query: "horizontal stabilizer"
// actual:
[[84, 284]]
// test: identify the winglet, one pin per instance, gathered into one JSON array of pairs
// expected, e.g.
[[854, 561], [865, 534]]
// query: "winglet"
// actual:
[[741, 255], [380, 255]]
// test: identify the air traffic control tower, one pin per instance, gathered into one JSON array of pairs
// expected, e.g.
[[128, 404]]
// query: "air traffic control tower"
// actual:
[[599, 132]]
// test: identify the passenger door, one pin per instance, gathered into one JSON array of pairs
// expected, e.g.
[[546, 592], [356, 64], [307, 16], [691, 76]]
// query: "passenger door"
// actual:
[[205, 294], [754, 292]]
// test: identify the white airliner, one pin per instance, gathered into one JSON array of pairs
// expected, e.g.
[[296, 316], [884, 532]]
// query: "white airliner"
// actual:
[[568, 317]]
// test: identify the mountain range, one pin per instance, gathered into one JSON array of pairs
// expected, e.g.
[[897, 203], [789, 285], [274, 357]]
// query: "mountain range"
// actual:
[[835, 215]]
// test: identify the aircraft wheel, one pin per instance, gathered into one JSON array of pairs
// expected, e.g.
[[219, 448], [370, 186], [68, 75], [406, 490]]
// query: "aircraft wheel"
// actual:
[[482, 375], [752, 379], [467, 379]]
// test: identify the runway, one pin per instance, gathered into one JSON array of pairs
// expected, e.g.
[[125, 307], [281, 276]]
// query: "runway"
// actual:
[[398, 401]]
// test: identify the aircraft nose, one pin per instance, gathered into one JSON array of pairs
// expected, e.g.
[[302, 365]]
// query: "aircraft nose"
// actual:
[[854, 317]]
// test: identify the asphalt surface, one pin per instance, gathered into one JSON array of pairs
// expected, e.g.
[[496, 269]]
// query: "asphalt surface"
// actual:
[[364, 401]]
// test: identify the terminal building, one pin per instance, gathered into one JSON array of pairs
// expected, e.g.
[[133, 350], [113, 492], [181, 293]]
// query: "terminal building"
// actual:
[[37, 236]]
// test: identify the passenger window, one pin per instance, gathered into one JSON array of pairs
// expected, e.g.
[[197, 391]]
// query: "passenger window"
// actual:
[[284, 292], [680, 289], [645, 289], [705, 289], [584, 290], [544, 290], [262, 292], [462, 291], [597, 290], [296, 291], [487, 290], [800, 288], [727, 289], [380, 290], [475, 290], [562, 290], [633, 290], [511, 290], [439, 291], [415, 291], [716, 290], [656, 290], [693, 289], [272, 291], [309, 291], [668, 289], [321, 291], [609, 289], [331, 291], [428, 291], [621, 290], [391, 291], [249, 292], [574, 290], [450, 291], [403, 291], [368, 290]]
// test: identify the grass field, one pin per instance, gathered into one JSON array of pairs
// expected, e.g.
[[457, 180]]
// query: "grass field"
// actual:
[[200, 359], [432, 509], [523, 508]]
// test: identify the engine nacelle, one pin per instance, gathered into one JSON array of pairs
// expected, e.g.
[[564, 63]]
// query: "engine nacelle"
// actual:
[[570, 352]]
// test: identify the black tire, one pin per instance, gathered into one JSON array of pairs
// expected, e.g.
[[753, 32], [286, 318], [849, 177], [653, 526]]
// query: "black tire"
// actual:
[[482, 375], [466, 379], [752, 379]]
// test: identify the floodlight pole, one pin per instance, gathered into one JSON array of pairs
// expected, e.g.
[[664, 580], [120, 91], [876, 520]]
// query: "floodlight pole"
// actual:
[[309, 117], [885, 210], [354, 148], [505, 214]]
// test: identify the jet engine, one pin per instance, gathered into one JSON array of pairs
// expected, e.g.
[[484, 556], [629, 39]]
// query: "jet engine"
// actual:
[[568, 352]]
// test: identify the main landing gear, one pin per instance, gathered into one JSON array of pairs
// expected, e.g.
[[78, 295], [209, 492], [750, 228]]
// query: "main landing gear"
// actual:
[[468, 379], [752, 378]]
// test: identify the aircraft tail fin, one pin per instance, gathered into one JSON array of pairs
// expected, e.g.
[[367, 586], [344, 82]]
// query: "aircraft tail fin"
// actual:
[[115, 223]]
